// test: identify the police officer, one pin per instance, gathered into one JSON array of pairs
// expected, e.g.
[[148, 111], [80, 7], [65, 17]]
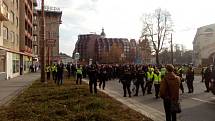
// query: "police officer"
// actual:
[[126, 81], [208, 77], [54, 72], [190, 78], [60, 70], [92, 73], [179, 73], [140, 80], [103, 77], [163, 72], [79, 74], [149, 82], [48, 69], [157, 80]]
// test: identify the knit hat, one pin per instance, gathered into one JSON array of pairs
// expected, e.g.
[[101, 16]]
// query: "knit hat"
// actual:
[[169, 67]]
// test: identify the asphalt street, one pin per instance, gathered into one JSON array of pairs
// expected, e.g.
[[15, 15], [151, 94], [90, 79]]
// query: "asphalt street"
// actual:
[[199, 106]]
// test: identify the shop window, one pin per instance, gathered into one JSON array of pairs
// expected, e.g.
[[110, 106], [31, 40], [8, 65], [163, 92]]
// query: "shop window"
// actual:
[[15, 60]]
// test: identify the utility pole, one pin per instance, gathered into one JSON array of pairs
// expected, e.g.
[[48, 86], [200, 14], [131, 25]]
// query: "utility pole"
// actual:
[[171, 50], [43, 44]]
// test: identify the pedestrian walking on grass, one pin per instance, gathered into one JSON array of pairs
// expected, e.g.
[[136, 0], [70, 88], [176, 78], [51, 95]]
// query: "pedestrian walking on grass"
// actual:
[[169, 92]]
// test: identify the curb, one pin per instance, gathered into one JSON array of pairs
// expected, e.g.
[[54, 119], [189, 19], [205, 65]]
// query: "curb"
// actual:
[[145, 110]]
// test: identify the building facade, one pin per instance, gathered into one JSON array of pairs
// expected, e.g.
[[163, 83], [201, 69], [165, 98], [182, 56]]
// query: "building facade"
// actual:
[[105, 50], [204, 46], [52, 28], [9, 39], [26, 34]]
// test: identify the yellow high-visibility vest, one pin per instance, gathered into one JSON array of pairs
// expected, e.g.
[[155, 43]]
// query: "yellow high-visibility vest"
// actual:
[[157, 78]]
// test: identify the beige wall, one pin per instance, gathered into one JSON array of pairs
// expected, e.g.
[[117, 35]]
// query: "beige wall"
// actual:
[[12, 42], [204, 43]]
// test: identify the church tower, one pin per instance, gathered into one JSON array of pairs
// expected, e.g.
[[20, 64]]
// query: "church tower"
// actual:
[[103, 35]]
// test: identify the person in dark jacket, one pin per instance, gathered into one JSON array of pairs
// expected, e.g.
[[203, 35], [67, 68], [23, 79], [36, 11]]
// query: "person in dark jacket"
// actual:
[[60, 69], [140, 81], [208, 77], [126, 81], [92, 74], [190, 78], [102, 77], [169, 91]]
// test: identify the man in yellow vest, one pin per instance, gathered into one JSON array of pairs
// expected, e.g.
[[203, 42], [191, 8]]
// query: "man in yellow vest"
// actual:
[[157, 80], [54, 72], [79, 74], [163, 71], [149, 82], [48, 72]]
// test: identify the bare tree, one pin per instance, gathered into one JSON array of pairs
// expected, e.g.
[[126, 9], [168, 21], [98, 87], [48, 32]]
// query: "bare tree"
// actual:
[[156, 27]]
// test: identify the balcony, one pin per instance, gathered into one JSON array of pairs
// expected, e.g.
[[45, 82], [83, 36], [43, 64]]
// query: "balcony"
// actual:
[[3, 14]]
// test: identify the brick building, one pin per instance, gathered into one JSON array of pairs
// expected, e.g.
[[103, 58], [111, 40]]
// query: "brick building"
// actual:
[[105, 50]]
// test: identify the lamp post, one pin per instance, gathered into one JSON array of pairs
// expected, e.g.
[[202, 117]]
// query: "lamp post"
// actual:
[[43, 44], [171, 50]]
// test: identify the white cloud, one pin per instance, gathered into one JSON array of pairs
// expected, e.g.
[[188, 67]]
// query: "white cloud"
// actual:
[[121, 18]]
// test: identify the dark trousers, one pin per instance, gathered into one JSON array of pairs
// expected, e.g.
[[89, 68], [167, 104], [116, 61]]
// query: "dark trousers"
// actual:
[[157, 90], [207, 84], [54, 75], [48, 75], [93, 84], [60, 79], [79, 78], [190, 85], [102, 83], [139, 83], [126, 87], [182, 87], [149, 87], [167, 107]]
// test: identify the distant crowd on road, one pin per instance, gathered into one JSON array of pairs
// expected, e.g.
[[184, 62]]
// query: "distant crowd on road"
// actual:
[[166, 79], [131, 76]]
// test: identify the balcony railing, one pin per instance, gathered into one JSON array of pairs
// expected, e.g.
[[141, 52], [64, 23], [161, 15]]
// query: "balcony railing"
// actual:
[[3, 14]]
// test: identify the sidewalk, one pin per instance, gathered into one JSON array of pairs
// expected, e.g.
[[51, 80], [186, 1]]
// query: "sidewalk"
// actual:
[[9, 89]]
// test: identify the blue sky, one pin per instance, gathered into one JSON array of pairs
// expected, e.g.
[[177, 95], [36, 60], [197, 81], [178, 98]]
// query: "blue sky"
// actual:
[[122, 18]]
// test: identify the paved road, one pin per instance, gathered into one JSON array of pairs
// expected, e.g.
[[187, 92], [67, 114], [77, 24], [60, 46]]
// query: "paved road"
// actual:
[[199, 106]]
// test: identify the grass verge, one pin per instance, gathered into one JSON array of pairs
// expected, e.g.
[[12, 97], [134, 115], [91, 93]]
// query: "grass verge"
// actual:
[[68, 102]]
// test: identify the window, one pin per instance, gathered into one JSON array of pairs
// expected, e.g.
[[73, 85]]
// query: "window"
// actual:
[[2, 60], [11, 36], [11, 17], [17, 39], [17, 22], [15, 59], [5, 8], [5, 33]]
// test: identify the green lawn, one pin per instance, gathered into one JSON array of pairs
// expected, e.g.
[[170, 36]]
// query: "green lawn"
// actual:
[[69, 102]]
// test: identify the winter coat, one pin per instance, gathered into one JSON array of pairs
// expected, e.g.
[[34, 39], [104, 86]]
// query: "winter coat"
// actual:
[[169, 87]]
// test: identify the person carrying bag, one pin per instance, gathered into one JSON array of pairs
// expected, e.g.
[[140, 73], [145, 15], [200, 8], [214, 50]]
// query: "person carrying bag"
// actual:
[[169, 92]]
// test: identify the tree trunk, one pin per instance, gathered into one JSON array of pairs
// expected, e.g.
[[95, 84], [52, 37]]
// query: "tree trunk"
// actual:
[[157, 57]]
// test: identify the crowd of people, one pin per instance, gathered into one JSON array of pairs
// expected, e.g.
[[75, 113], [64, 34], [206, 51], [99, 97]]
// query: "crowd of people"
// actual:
[[166, 79]]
